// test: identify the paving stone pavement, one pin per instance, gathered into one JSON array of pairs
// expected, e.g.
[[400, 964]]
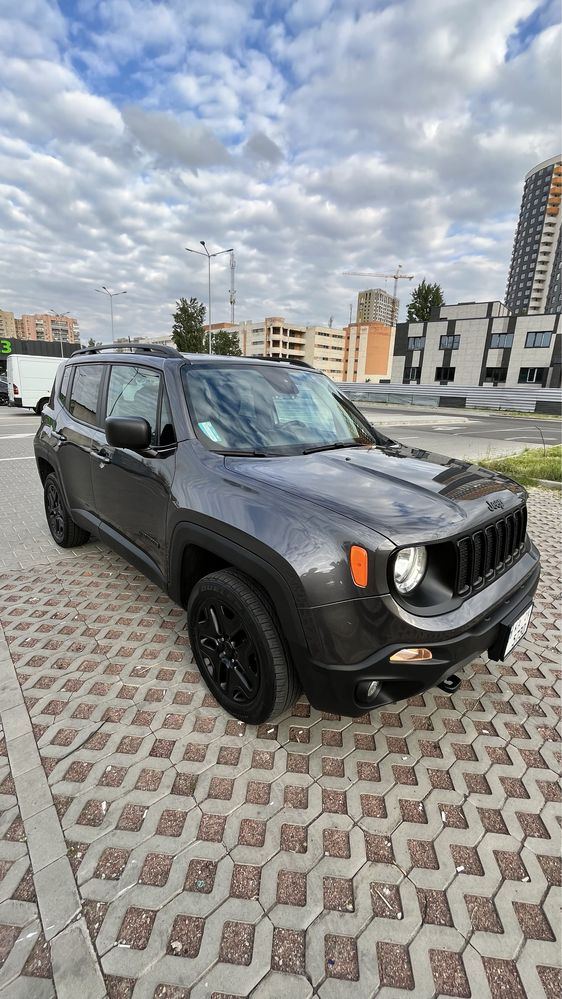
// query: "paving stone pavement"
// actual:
[[413, 851]]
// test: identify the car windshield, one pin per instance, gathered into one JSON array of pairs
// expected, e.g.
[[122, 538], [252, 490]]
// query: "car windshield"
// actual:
[[264, 410]]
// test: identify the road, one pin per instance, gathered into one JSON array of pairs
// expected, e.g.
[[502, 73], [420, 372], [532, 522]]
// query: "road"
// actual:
[[463, 434]]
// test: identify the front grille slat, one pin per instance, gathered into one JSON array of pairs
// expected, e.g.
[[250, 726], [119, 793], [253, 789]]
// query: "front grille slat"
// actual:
[[486, 553]]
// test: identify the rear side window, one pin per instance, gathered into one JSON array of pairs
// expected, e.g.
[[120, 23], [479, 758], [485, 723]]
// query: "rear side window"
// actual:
[[136, 391], [63, 391], [84, 394]]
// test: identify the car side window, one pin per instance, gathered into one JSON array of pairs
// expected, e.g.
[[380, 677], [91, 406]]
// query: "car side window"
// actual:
[[65, 382], [84, 393], [135, 391]]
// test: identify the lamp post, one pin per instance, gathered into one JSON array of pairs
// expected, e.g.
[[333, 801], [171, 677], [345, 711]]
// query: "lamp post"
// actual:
[[112, 294], [205, 253], [60, 315]]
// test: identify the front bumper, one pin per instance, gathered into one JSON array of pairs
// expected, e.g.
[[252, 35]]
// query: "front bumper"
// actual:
[[338, 687]]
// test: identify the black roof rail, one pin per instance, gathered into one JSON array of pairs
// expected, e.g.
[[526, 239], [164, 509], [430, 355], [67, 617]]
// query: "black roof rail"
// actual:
[[159, 350], [283, 360]]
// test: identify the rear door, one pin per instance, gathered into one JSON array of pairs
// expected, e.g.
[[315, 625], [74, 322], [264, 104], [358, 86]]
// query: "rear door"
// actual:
[[132, 490], [77, 418]]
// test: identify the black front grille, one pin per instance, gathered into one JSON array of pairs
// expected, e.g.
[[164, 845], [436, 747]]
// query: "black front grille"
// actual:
[[485, 554]]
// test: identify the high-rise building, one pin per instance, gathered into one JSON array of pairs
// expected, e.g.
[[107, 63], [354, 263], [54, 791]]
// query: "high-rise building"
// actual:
[[533, 285], [359, 352], [368, 352], [321, 346], [63, 329], [376, 306], [7, 325]]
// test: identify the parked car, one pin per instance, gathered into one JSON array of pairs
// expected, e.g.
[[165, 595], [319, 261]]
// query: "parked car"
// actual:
[[3, 391], [30, 379], [308, 548]]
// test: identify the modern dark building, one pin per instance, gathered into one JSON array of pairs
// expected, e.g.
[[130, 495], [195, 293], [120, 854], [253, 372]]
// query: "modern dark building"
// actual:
[[479, 343], [533, 285]]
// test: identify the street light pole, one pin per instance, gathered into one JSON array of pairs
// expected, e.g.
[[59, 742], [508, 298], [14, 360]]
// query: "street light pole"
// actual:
[[111, 294], [208, 255], [61, 314]]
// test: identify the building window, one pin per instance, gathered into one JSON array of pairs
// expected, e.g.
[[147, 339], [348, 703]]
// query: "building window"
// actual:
[[538, 339], [444, 374], [501, 340], [416, 342], [449, 342], [495, 375], [532, 375], [412, 374]]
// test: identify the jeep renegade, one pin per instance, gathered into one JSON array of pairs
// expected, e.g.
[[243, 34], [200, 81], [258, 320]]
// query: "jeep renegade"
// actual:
[[309, 549]]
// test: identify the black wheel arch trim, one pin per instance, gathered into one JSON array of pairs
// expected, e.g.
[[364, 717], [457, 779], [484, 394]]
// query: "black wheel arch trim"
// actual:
[[259, 563]]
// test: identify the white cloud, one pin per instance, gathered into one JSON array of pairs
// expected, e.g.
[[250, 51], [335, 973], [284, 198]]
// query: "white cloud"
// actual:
[[349, 135]]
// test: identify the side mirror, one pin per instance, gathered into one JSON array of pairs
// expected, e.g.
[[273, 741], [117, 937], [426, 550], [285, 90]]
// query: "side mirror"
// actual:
[[131, 432]]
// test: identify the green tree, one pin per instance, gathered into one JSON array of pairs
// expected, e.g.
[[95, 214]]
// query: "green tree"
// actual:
[[94, 343], [424, 298], [187, 332], [226, 342]]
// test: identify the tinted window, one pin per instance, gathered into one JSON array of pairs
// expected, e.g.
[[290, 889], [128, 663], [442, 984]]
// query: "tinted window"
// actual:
[[135, 391], [84, 393], [64, 384], [538, 339], [501, 340], [449, 342]]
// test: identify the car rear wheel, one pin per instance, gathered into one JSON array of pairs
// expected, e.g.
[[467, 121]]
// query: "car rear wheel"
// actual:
[[65, 532], [238, 648]]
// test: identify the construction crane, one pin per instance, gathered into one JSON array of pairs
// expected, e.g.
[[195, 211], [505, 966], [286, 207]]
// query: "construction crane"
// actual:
[[397, 276]]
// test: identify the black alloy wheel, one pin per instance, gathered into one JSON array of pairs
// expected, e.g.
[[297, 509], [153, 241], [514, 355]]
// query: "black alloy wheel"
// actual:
[[228, 652], [65, 532], [238, 649], [54, 510]]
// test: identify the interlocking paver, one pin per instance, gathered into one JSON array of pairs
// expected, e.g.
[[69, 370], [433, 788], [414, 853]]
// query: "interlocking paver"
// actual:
[[357, 837]]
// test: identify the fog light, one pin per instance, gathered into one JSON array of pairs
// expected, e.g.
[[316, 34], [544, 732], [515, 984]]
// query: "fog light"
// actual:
[[410, 655], [373, 689]]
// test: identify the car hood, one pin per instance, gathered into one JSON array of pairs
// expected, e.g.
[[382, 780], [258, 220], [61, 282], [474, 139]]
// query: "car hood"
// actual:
[[407, 494]]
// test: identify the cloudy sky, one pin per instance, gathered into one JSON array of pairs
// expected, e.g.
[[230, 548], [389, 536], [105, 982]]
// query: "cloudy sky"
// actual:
[[314, 136]]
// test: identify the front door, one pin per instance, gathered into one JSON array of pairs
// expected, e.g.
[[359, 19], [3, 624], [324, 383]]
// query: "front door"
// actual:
[[132, 490]]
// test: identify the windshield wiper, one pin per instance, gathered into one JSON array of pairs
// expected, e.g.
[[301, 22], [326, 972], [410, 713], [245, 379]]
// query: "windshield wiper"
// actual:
[[243, 454], [336, 444]]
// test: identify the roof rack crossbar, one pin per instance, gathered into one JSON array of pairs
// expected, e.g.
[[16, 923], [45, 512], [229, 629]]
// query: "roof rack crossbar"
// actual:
[[159, 350]]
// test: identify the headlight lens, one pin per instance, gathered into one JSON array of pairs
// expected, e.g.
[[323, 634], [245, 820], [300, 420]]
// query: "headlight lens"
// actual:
[[409, 568]]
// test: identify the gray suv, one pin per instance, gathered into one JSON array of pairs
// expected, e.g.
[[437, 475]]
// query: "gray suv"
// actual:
[[309, 549]]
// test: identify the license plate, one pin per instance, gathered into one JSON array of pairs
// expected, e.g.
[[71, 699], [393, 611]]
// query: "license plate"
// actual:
[[518, 629]]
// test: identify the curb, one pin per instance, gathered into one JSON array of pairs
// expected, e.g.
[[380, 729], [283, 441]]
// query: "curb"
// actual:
[[549, 484]]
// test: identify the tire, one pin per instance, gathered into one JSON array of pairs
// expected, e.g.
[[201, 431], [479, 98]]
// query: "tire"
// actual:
[[65, 532], [40, 406], [238, 648]]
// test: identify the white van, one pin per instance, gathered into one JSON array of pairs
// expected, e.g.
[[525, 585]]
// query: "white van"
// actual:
[[30, 379]]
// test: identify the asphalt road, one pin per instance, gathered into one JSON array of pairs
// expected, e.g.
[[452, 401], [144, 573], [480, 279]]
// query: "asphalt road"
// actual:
[[463, 434]]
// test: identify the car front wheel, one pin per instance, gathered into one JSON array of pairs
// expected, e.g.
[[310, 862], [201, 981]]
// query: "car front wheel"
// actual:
[[238, 649], [65, 532]]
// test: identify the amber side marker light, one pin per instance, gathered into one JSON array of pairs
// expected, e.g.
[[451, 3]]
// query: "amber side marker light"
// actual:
[[410, 655], [359, 565]]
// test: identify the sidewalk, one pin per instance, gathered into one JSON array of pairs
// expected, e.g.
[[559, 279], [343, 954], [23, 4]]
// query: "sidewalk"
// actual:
[[151, 847]]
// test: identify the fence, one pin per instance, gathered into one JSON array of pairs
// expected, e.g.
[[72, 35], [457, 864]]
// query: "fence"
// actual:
[[522, 399]]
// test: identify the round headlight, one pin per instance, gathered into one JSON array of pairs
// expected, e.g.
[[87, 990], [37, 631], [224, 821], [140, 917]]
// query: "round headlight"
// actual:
[[409, 568]]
